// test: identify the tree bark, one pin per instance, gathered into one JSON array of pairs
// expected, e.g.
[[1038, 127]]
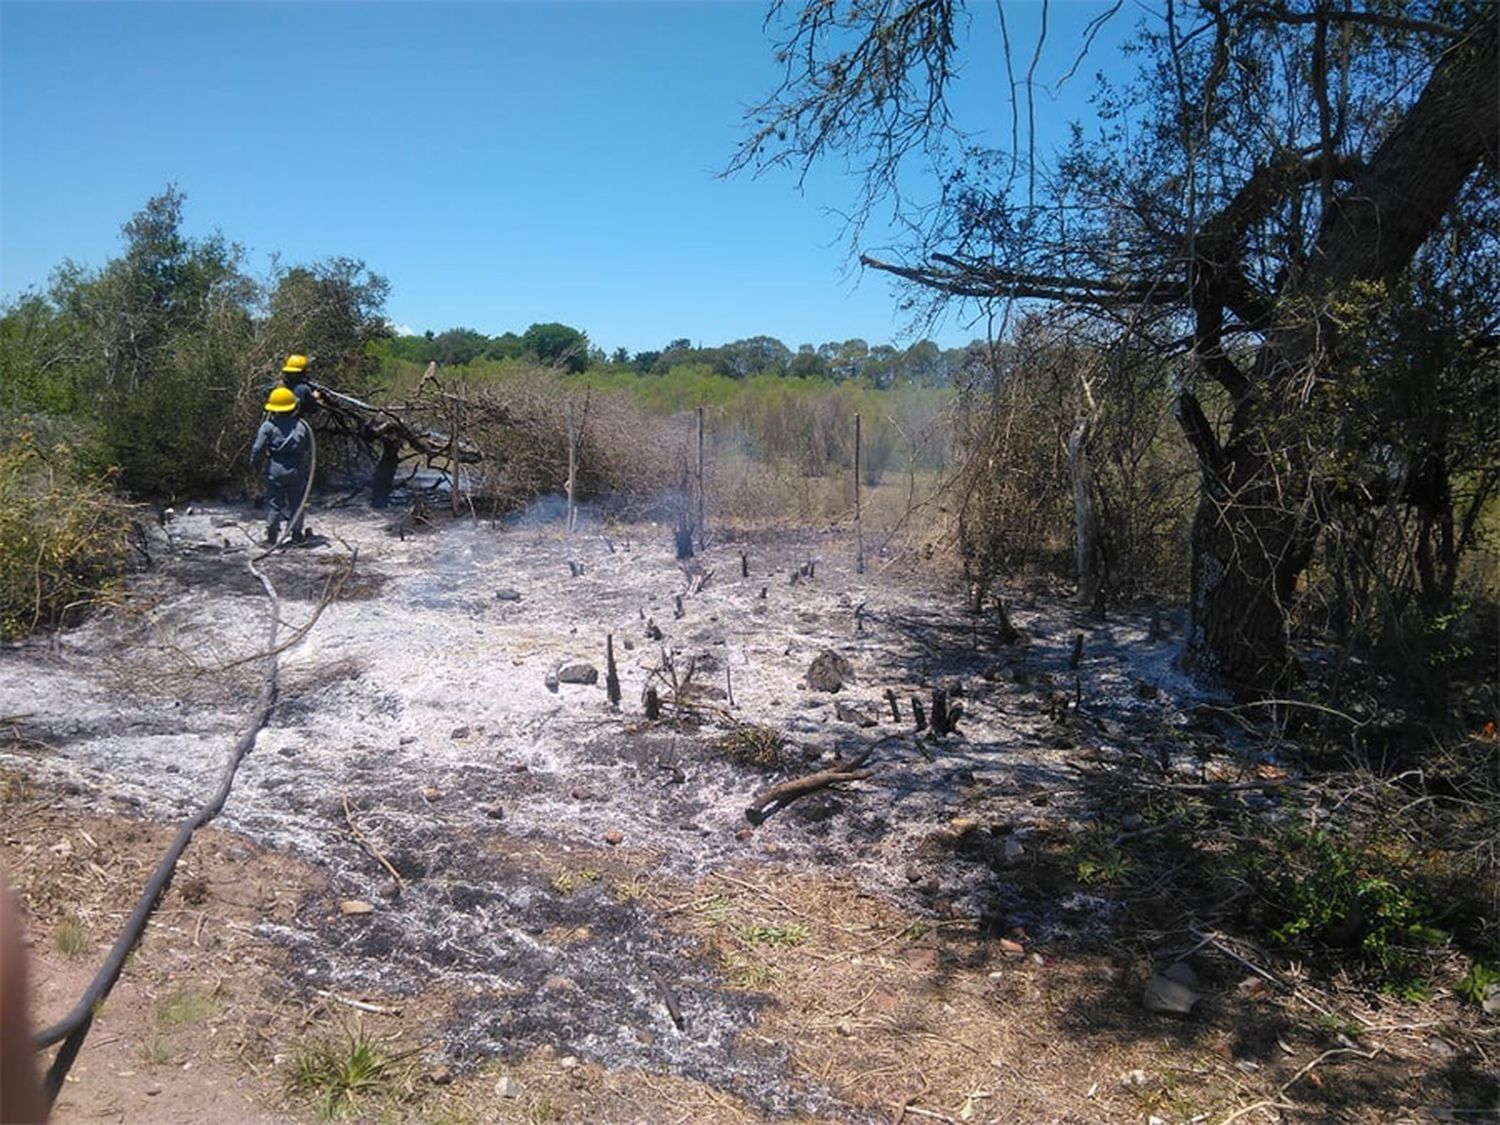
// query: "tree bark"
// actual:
[[1085, 519], [1258, 520]]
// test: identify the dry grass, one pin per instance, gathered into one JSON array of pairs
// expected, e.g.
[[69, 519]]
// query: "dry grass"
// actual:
[[64, 539]]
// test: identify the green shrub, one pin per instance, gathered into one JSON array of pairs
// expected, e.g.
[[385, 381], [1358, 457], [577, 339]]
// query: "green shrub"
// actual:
[[1333, 894], [63, 537]]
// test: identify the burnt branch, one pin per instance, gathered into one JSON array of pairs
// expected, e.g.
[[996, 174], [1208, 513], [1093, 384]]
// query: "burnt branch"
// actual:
[[777, 797]]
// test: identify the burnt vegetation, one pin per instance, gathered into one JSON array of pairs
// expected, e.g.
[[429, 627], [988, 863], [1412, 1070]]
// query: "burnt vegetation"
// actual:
[[1237, 424]]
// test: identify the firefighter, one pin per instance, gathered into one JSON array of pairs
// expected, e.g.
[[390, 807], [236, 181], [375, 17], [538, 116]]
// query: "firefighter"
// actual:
[[284, 441], [294, 375]]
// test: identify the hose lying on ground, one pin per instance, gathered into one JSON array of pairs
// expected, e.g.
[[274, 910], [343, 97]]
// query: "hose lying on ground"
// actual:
[[72, 1029]]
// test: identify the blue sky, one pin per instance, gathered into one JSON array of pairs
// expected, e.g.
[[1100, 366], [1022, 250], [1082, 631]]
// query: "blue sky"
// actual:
[[500, 163]]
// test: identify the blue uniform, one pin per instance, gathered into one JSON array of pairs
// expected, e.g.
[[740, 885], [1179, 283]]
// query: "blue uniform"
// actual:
[[284, 441]]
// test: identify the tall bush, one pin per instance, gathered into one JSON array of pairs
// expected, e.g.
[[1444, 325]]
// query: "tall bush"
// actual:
[[63, 537]]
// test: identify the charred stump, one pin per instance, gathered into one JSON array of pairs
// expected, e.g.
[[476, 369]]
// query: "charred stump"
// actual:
[[611, 673]]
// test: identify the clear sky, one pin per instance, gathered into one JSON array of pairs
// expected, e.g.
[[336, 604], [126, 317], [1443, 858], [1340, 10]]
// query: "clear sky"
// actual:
[[500, 163]]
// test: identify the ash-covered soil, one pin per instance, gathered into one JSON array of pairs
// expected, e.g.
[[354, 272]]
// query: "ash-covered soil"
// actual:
[[523, 815]]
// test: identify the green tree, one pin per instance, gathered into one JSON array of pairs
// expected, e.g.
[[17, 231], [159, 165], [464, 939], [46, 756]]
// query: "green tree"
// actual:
[[157, 342], [753, 356], [330, 311], [807, 363], [458, 346], [1270, 159], [557, 345], [507, 345]]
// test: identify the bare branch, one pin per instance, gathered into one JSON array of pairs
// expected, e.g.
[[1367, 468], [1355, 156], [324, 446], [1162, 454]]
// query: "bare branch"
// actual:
[[1278, 13]]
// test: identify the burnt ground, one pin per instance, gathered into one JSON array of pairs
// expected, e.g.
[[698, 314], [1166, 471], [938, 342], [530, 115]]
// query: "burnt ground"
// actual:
[[914, 945]]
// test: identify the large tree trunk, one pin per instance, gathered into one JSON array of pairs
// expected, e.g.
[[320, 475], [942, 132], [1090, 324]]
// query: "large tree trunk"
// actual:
[[1257, 522], [1249, 547]]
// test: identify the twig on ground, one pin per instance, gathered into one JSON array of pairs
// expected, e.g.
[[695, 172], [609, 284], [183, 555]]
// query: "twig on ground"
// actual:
[[1277, 1102], [361, 1005], [1266, 974], [369, 847]]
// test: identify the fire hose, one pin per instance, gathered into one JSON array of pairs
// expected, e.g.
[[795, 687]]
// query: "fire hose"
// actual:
[[73, 1028]]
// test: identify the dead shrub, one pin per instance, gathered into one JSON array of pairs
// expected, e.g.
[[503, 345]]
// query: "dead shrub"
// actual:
[[627, 460]]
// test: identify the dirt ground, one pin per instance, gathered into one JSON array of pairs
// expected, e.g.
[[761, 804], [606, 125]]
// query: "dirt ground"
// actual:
[[534, 906]]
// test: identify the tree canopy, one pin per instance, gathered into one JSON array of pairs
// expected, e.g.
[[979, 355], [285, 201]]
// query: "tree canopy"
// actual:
[[1272, 183]]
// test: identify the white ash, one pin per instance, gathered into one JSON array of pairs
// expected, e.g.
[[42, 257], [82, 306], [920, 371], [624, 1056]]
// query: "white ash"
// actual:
[[427, 681]]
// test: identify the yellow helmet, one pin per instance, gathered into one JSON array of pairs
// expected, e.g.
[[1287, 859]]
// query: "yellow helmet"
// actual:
[[294, 365], [282, 399]]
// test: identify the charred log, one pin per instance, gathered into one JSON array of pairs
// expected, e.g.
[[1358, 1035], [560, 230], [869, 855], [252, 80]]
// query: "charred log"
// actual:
[[777, 797]]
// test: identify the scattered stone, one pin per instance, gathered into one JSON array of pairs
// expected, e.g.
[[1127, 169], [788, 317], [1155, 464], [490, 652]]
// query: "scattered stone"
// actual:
[[355, 906], [578, 674], [1012, 949], [829, 671], [1145, 689], [1491, 1003], [507, 595], [1013, 850], [1166, 995], [568, 1062], [1250, 988], [1135, 1080], [614, 837], [629, 644], [551, 681], [1182, 973], [459, 732], [408, 739], [431, 793], [846, 714], [440, 1076], [508, 1087], [996, 977], [390, 890], [1131, 821], [644, 1037]]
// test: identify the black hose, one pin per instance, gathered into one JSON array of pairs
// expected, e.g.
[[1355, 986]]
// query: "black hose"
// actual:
[[74, 1027]]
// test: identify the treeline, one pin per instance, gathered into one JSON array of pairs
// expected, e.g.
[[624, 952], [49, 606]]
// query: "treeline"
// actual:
[[559, 345], [152, 369]]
